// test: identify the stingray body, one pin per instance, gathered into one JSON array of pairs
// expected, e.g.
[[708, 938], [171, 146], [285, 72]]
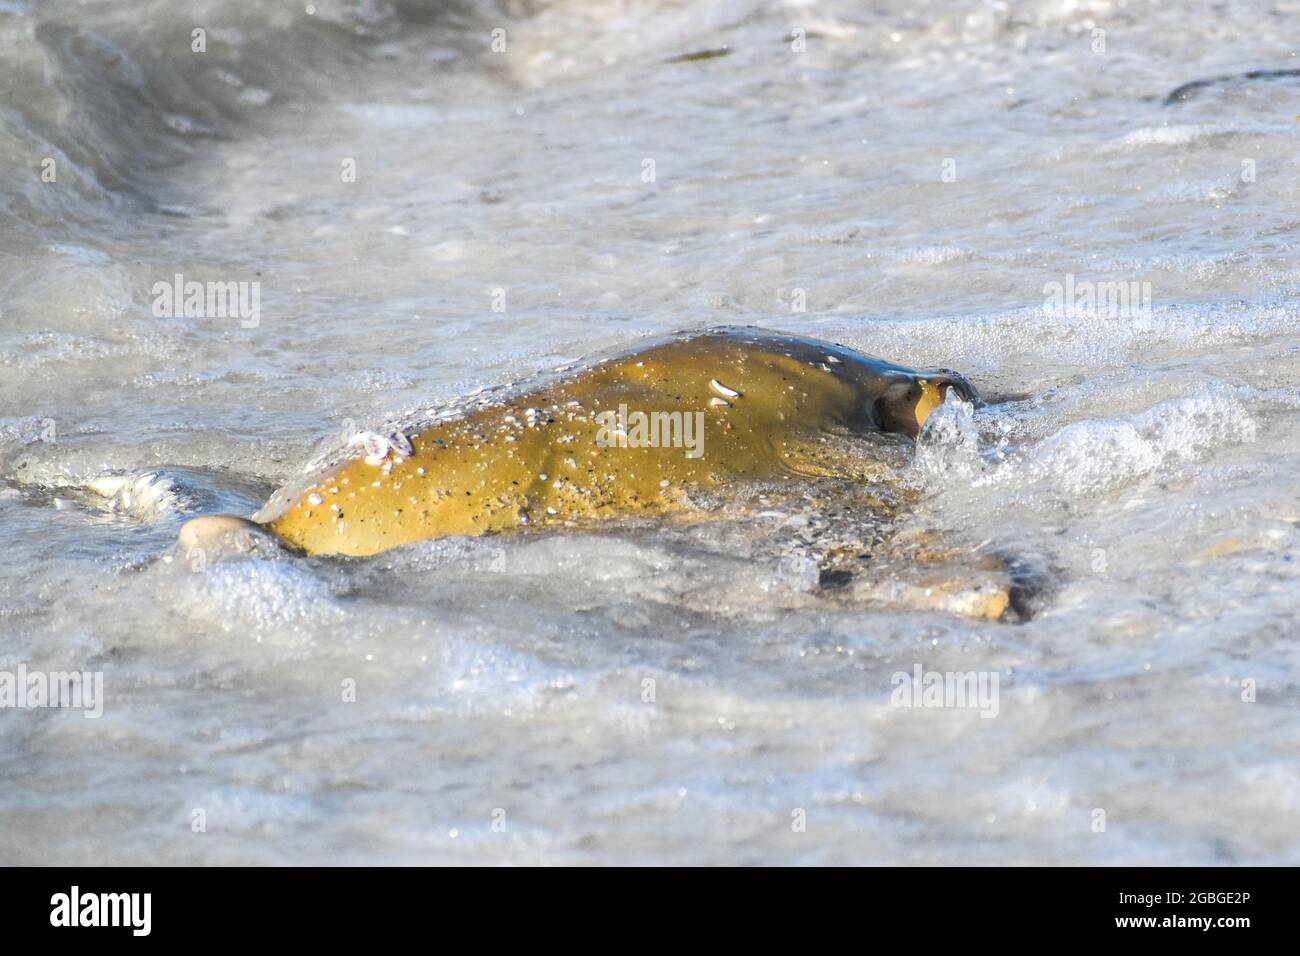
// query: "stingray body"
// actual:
[[632, 434]]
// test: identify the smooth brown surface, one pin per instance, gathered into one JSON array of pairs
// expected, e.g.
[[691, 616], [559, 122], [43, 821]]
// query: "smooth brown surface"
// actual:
[[537, 459]]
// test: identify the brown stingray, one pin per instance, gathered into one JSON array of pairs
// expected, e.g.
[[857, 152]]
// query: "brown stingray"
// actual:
[[633, 434]]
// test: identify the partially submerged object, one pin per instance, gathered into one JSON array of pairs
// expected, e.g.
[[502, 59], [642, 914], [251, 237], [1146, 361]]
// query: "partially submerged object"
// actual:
[[629, 435], [1188, 90], [645, 433]]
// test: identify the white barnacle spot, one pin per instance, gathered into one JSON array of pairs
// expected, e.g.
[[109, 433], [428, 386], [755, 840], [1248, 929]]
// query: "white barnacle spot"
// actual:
[[543, 476], [376, 484], [376, 446], [334, 490], [833, 360], [723, 390], [402, 444], [665, 483], [314, 499], [719, 402], [420, 470], [551, 511], [388, 468]]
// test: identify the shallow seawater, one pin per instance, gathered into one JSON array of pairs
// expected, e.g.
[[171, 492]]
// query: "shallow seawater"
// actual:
[[906, 179]]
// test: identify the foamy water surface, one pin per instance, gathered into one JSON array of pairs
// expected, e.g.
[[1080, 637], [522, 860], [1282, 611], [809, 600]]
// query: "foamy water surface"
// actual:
[[915, 173]]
